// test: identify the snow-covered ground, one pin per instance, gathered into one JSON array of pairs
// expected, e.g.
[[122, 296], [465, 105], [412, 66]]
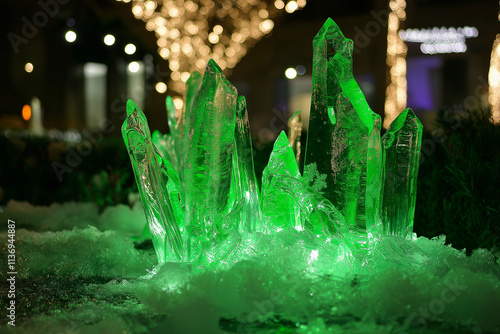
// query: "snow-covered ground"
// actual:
[[79, 271]]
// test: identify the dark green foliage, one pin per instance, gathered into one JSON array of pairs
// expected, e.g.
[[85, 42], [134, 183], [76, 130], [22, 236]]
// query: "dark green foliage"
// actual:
[[459, 181], [42, 171]]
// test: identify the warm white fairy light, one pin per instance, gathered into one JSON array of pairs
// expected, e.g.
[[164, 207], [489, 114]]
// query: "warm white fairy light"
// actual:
[[130, 49], [290, 73], [109, 39], [178, 103], [494, 81], [395, 100], [190, 32], [28, 67], [279, 4], [291, 7], [440, 40], [161, 87]]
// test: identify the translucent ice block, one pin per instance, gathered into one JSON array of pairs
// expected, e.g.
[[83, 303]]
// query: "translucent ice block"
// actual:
[[402, 148], [151, 177]]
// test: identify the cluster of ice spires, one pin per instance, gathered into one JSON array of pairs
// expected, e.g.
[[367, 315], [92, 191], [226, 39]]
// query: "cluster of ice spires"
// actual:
[[198, 185]]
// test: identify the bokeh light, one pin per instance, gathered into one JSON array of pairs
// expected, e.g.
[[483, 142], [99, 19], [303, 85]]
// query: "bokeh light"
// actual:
[[134, 67], [26, 112], [109, 39], [290, 73], [130, 49], [70, 36], [161, 87], [28, 67]]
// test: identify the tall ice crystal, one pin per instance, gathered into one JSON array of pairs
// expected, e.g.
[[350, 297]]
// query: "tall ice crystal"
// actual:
[[151, 176], [209, 166], [402, 152], [245, 184], [344, 134]]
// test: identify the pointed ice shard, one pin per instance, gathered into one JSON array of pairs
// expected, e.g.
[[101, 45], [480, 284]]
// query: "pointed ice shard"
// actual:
[[192, 85], [342, 137], [175, 192], [171, 119], [165, 145], [281, 182], [290, 200], [151, 177], [186, 121], [208, 167], [402, 146], [244, 179], [374, 180], [294, 133]]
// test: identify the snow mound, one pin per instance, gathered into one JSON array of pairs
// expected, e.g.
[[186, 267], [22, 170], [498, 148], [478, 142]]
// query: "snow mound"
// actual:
[[85, 279], [67, 216]]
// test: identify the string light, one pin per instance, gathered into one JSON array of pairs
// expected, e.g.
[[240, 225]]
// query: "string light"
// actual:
[[219, 29], [279, 4], [178, 103], [494, 81], [440, 40], [395, 101], [161, 87], [438, 35]]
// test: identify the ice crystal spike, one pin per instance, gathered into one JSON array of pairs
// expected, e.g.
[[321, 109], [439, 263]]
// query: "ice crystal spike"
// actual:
[[193, 84], [162, 144], [402, 149], [344, 134], [280, 181], [244, 179], [294, 133], [171, 119], [185, 125], [292, 201], [151, 177], [172, 144], [208, 167]]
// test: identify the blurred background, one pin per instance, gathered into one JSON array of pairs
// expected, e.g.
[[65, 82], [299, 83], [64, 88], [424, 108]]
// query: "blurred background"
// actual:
[[69, 66]]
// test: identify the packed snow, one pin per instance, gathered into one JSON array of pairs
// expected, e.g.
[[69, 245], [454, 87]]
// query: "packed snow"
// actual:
[[81, 271]]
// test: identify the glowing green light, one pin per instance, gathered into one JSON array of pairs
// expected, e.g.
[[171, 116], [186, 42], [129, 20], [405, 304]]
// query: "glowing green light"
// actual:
[[198, 184]]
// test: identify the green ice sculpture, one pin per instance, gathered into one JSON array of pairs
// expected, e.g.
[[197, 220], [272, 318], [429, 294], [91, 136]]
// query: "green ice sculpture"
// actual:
[[198, 184]]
